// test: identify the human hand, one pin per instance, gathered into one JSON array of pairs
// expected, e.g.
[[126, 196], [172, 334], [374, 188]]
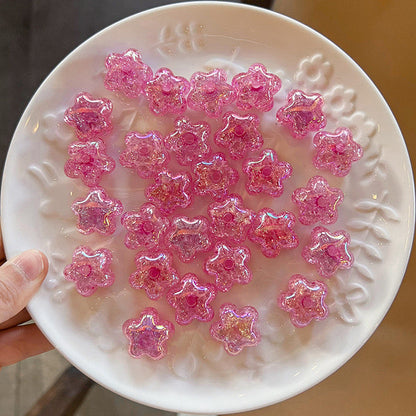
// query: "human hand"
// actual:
[[20, 278]]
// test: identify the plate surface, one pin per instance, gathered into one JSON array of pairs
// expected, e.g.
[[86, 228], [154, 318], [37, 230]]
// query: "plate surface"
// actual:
[[197, 375]]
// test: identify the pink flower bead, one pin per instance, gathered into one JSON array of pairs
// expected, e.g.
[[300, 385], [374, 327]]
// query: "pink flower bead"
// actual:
[[170, 191], [256, 88], [189, 236], [304, 300], [229, 265], [145, 153], [89, 116], [167, 92], [192, 300], [148, 334], [303, 113], [318, 202], [127, 73], [90, 269], [230, 219], [336, 151], [210, 92], [239, 134], [189, 141], [328, 251], [145, 227], [266, 173], [214, 176], [272, 231], [88, 161], [97, 212], [236, 328], [155, 273]]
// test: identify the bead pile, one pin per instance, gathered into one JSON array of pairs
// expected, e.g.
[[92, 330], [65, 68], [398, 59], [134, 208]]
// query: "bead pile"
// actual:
[[162, 238]]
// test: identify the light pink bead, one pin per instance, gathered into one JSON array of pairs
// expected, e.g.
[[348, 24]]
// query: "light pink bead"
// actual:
[[148, 334], [189, 141], [256, 88], [167, 92], [273, 232], [328, 250], [90, 269], [97, 212], [90, 116], [303, 113], [239, 134], [266, 173], [88, 161], [229, 266], [318, 202], [145, 153], [236, 328], [127, 73], [145, 227], [192, 300], [154, 273], [336, 151], [304, 300], [210, 92]]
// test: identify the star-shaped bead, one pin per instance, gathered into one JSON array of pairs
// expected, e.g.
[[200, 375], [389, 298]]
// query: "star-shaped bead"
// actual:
[[214, 176], [97, 212], [272, 231], [89, 116], [304, 300], [170, 191], [303, 113], [256, 88], [230, 218], [229, 266], [88, 161], [192, 300], [328, 250], [189, 141], [318, 202], [210, 92], [239, 134], [148, 334], [145, 153], [154, 273], [167, 92], [189, 236], [266, 173], [145, 227], [127, 73], [336, 151], [90, 269], [236, 328]]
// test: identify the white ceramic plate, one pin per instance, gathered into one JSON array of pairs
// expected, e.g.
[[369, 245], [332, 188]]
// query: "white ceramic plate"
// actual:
[[197, 375]]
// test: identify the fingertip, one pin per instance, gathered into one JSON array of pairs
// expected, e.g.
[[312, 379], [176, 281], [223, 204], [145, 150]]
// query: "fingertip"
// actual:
[[32, 263]]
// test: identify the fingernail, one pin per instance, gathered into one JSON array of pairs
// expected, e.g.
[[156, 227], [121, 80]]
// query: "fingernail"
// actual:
[[30, 263]]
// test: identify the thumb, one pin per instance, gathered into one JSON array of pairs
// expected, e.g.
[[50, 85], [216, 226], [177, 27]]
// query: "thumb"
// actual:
[[20, 278]]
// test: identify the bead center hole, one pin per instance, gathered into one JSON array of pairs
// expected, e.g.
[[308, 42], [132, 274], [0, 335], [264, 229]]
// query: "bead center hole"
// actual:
[[228, 217], [154, 273], [192, 300], [239, 130], [189, 138], [147, 227], [216, 176], [266, 171], [228, 264], [321, 201], [307, 302]]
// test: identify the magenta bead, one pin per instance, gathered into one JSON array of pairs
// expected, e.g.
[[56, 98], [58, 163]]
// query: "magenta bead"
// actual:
[[236, 328], [256, 88], [90, 269], [127, 73], [148, 334], [328, 251], [90, 116], [192, 300], [97, 212], [210, 92], [303, 113], [239, 134], [304, 300], [336, 151]]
